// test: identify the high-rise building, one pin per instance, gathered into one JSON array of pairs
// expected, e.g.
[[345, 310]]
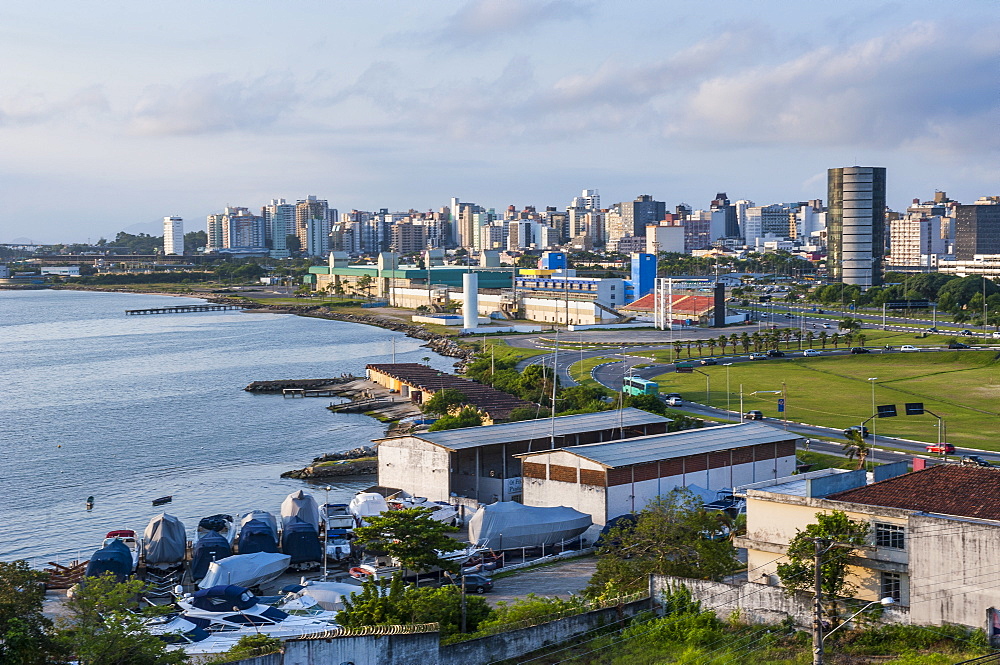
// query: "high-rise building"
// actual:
[[638, 214], [279, 223], [408, 238], [724, 216], [856, 224], [977, 228], [173, 236], [242, 229], [916, 240], [312, 225]]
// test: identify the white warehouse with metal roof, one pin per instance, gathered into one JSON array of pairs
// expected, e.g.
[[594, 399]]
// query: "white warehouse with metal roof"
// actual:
[[481, 463], [609, 479]]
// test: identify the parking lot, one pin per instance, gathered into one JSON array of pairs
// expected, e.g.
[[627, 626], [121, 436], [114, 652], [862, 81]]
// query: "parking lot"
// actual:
[[562, 580]]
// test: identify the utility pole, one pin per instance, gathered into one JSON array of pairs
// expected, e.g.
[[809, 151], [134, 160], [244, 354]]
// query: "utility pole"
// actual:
[[818, 603]]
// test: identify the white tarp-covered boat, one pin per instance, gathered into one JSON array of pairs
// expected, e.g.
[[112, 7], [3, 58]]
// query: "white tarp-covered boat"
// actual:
[[246, 570], [301, 505], [508, 525], [164, 541], [367, 504]]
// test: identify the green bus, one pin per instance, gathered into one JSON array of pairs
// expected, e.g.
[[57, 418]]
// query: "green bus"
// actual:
[[635, 386]]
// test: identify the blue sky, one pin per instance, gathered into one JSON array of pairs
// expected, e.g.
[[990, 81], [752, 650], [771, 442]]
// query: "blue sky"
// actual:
[[114, 114]]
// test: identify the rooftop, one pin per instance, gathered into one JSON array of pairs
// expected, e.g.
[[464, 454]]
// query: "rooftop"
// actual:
[[683, 304], [948, 489], [678, 444], [490, 400], [526, 430]]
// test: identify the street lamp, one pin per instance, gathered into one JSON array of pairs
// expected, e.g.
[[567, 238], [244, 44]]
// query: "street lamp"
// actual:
[[729, 410], [818, 652], [871, 380], [326, 529]]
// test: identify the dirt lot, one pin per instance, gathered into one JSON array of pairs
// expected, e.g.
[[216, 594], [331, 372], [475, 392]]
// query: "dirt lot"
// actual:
[[562, 580]]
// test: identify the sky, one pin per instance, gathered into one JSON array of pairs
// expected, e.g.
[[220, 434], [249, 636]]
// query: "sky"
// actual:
[[115, 114]]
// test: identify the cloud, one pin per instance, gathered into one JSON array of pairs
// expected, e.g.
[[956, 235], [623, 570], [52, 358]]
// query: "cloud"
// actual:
[[29, 107], [214, 103], [487, 19]]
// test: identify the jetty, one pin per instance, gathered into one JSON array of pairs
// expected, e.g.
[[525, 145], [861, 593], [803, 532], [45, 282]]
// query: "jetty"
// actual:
[[182, 309]]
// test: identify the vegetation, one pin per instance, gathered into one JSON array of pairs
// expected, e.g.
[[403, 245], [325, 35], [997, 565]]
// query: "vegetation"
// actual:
[[375, 605], [248, 646], [106, 626], [467, 417], [857, 447], [26, 635], [443, 401], [797, 574], [673, 535], [411, 536]]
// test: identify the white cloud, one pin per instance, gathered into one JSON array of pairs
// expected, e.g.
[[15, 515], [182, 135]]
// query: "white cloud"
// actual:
[[214, 103], [30, 107], [486, 19]]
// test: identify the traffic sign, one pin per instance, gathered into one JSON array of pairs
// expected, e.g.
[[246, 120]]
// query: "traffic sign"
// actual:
[[781, 405]]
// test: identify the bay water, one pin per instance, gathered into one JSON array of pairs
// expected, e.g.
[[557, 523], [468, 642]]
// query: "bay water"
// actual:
[[131, 408]]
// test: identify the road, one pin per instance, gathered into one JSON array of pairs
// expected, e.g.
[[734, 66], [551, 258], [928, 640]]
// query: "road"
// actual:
[[611, 374], [561, 579]]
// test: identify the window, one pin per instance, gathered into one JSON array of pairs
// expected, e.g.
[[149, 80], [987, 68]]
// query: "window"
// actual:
[[890, 535], [892, 586]]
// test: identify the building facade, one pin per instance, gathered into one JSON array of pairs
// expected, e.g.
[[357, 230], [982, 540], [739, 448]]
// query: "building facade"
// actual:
[[977, 228], [856, 224], [173, 235]]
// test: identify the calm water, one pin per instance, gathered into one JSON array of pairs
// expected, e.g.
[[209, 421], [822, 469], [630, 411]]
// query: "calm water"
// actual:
[[130, 408]]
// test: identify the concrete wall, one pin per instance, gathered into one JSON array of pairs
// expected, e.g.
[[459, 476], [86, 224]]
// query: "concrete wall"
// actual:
[[398, 458], [952, 570], [757, 603], [419, 648]]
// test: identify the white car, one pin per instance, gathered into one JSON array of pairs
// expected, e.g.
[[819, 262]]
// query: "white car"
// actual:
[[812, 352], [908, 347], [674, 401]]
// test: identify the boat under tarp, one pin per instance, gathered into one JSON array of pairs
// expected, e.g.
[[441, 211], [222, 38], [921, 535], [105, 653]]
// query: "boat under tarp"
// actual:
[[115, 558], [246, 570], [300, 540], [263, 516], [164, 542], [509, 525], [301, 505], [328, 595], [212, 546], [367, 504], [257, 536]]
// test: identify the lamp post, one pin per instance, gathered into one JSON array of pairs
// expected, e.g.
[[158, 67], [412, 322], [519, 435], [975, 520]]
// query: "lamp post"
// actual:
[[871, 380], [708, 385], [729, 411], [326, 529]]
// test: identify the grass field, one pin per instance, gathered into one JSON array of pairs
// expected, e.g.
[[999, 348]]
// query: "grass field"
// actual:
[[963, 387]]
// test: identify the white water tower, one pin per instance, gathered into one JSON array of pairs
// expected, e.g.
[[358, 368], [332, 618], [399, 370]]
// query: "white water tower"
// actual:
[[470, 310]]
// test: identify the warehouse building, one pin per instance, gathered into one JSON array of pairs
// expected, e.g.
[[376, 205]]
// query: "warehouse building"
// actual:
[[480, 463], [609, 479]]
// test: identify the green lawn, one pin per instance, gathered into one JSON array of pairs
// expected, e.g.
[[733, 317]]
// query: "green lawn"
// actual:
[[963, 387]]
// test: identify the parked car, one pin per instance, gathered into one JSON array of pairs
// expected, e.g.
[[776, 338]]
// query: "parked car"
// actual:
[[674, 401], [775, 353], [754, 415], [858, 428], [758, 356], [974, 460], [859, 349], [996, 335], [811, 352], [908, 347], [709, 361], [958, 345], [943, 448], [476, 583]]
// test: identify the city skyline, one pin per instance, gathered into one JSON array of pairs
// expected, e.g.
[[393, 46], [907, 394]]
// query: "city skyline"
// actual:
[[115, 116]]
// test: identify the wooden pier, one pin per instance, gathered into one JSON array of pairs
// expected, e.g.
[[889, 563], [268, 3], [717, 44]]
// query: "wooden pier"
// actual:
[[182, 309]]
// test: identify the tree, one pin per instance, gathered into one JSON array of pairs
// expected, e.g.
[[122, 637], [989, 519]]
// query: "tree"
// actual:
[[723, 341], [292, 243], [822, 338], [849, 324], [376, 605], [107, 626], [443, 401], [668, 538], [26, 636], [650, 403], [249, 646], [365, 282], [467, 417], [411, 536], [856, 446], [810, 336], [835, 527]]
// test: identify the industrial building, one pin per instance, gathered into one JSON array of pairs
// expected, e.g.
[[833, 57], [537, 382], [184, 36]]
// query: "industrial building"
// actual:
[[612, 478], [419, 383], [481, 463]]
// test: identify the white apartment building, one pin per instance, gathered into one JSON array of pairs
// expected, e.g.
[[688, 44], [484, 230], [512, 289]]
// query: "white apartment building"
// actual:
[[916, 241], [173, 236]]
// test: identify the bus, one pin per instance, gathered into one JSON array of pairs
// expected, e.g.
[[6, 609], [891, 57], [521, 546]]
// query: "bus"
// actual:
[[636, 386]]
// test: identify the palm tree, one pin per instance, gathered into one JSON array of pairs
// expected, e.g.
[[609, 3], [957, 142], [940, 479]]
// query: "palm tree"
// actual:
[[835, 337], [786, 334], [822, 338], [757, 341], [723, 341], [711, 345], [698, 345], [848, 337], [861, 339], [745, 342], [798, 337], [810, 336], [856, 446]]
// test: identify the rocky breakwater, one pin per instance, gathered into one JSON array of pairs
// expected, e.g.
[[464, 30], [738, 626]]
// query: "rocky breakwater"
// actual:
[[357, 462]]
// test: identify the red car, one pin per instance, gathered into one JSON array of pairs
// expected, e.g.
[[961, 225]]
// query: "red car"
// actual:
[[945, 448]]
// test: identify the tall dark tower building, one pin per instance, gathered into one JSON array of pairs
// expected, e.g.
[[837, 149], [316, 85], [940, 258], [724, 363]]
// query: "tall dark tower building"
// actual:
[[636, 215], [855, 223], [722, 207], [977, 228]]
